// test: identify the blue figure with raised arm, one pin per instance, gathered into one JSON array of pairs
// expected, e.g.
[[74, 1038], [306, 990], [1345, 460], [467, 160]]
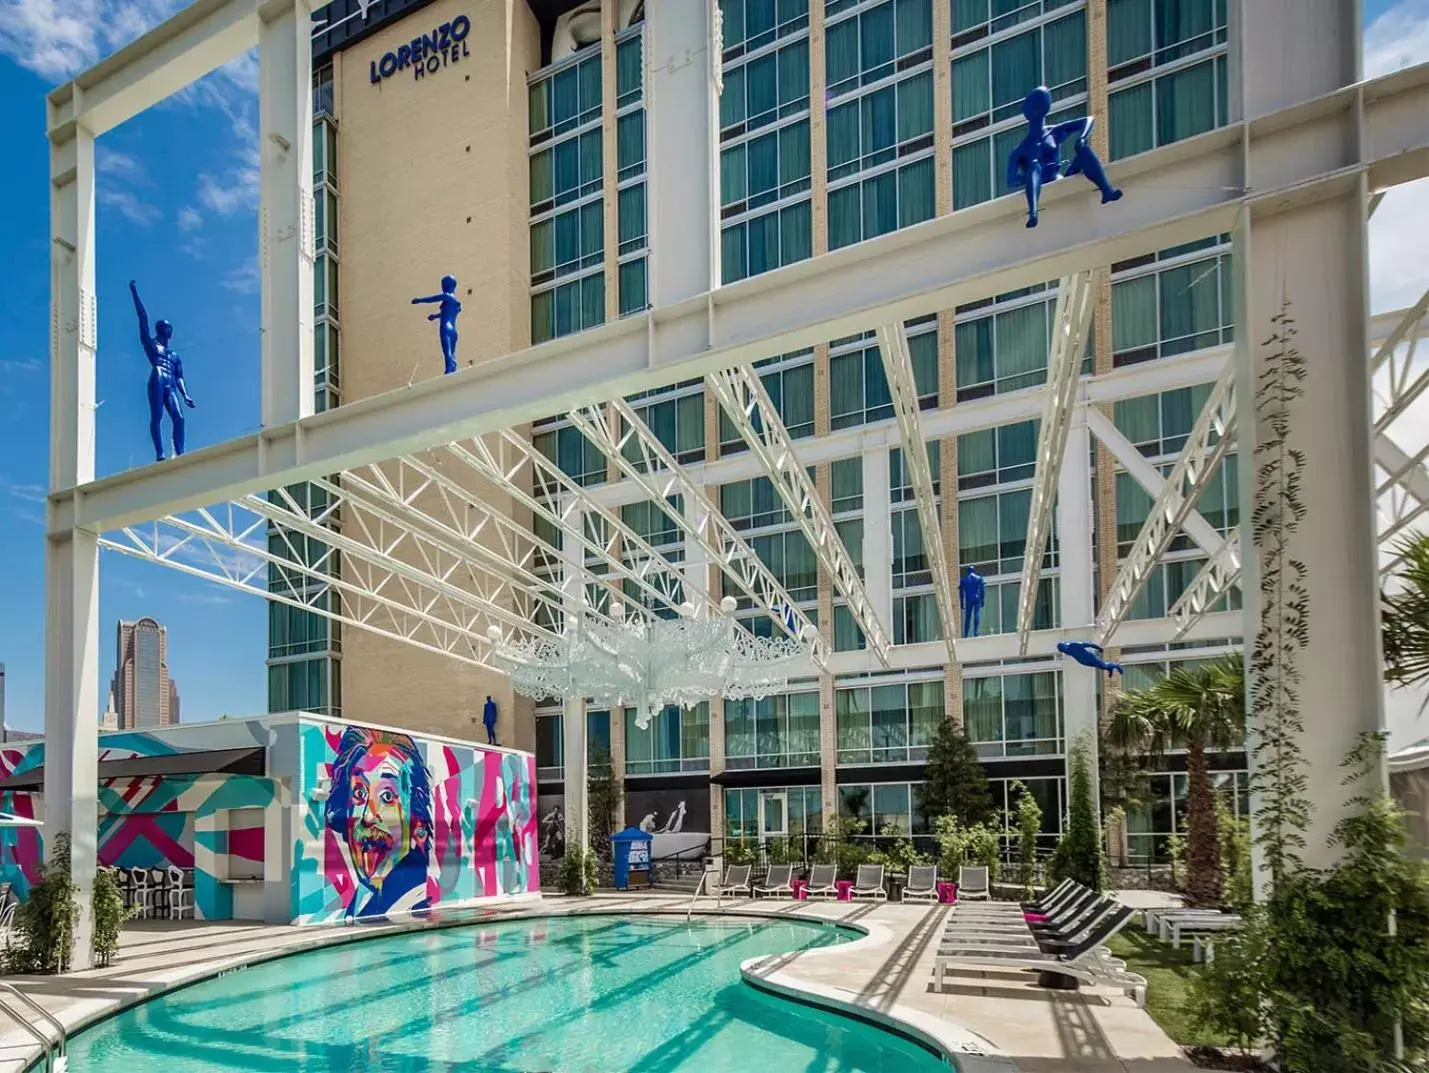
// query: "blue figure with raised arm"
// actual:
[[447, 316], [166, 380], [972, 591], [1036, 160], [1089, 655]]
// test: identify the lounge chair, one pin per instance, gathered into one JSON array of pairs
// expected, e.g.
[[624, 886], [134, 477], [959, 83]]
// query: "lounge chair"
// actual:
[[1050, 898], [778, 881], [868, 883], [972, 882], [736, 881], [1084, 960], [821, 881], [922, 885]]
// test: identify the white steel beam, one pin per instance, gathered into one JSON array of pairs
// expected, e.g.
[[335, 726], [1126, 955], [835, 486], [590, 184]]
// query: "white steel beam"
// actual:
[[1148, 476], [751, 410], [1396, 379], [1071, 322], [563, 503], [903, 390], [229, 546], [656, 470], [1176, 193], [1195, 467], [1218, 576]]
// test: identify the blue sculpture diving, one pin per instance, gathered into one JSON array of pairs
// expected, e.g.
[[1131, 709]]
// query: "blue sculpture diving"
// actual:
[[1036, 160], [972, 592], [447, 317], [1089, 655], [166, 380]]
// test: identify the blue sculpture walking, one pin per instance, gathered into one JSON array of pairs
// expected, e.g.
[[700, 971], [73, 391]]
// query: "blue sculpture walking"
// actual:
[[447, 316], [166, 380], [972, 591], [1035, 161], [1089, 655]]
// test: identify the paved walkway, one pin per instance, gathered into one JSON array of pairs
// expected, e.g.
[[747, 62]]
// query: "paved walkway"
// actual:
[[888, 975]]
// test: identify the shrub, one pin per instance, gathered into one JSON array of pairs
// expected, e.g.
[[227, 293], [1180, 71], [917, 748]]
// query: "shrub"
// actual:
[[44, 926], [110, 914], [578, 874], [1079, 851], [1029, 826]]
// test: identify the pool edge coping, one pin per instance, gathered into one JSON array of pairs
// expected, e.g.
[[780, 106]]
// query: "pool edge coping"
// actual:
[[967, 1051]]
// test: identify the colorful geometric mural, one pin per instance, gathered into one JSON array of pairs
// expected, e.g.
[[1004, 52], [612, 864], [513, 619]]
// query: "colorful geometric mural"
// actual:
[[400, 824]]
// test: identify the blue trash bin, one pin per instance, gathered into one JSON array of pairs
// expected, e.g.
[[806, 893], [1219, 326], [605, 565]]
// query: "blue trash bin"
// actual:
[[631, 850]]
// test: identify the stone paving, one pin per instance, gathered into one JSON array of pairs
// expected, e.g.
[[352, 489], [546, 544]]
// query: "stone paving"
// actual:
[[887, 975]]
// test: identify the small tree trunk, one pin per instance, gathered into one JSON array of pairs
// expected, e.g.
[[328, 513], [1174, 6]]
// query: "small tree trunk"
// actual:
[[1205, 881]]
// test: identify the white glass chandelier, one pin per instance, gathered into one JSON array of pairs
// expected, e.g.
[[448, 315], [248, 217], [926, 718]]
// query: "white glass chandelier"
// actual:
[[648, 663]]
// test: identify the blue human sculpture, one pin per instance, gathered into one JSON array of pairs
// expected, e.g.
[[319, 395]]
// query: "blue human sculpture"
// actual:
[[166, 380], [1089, 655], [972, 591], [447, 317], [1035, 161]]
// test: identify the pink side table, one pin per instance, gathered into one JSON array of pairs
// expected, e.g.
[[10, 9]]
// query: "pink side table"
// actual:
[[801, 889], [947, 892], [845, 889]]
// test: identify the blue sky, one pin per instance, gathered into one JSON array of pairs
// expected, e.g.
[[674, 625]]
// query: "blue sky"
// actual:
[[177, 212]]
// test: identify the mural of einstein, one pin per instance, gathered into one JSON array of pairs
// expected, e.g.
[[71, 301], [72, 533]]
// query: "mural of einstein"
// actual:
[[381, 808]]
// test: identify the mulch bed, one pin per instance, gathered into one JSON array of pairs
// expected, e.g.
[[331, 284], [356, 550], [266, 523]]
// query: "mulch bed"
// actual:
[[1215, 1058]]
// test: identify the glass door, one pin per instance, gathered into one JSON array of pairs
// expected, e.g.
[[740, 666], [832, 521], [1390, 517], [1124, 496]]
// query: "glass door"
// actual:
[[773, 815]]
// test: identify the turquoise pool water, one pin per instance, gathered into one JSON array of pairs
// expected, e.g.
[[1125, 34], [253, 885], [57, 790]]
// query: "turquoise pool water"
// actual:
[[561, 995]]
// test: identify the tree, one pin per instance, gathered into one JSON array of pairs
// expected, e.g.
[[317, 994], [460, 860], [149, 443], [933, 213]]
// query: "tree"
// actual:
[[602, 799], [1406, 616], [1195, 708], [1079, 852], [956, 785], [1029, 826]]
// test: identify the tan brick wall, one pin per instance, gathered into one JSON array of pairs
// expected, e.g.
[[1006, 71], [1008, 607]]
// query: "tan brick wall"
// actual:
[[454, 141], [943, 106], [818, 136], [610, 165]]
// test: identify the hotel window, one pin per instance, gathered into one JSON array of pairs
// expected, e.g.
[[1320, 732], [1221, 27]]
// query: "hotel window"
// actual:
[[846, 507], [677, 739], [791, 560], [1159, 309], [883, 806], [1006, 350], [1165, 585], [879, 143], [678, 423], [303, 686], [551, 744], [1160, 424], [887, 724], [576, 456], [1014, 714], [1162, 810], [991, 79], [775, 732], [567, 215], [765, 214], [1049, 793], [803, 811], [858, 388], [997, 455], [631, 214], [992, 532], [1167, 71], [789, 382], [915, 613], [753, 504], [322, 91], [325, 290], [295, 632], [326, 379]]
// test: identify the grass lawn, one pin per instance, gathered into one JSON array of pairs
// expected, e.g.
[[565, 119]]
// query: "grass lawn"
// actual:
[[1168, 973]]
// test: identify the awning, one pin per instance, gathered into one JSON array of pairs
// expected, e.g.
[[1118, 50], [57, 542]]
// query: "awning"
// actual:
[[7, 820], [249, 761]]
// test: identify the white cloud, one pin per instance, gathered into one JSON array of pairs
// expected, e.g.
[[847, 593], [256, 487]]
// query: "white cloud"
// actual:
[[134, 209], [21, 365], [1398, 38], [236, 190], [243, 279], [190, 219], [29, 493], [113, 163]]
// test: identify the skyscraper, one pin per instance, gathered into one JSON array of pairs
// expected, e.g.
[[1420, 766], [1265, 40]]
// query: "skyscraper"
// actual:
[[143, 694]]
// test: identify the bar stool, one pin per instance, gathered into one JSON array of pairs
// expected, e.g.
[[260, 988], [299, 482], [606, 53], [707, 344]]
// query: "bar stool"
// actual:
[[180, 897], [139, 890]]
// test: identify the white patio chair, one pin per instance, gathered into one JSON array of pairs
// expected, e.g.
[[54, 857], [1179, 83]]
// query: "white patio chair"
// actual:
[[736, 881], [778, 881], [973, 882], [821, 881], [922, 885]]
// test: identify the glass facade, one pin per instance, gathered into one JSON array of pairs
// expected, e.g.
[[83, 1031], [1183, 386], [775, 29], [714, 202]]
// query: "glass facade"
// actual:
[[887, 723], [677, 739], [1014, 714]]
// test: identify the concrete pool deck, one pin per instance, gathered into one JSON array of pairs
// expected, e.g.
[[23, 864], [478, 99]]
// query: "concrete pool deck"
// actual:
[[887, 975]]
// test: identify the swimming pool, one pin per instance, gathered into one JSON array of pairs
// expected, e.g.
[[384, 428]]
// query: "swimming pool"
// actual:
[[592, 994]]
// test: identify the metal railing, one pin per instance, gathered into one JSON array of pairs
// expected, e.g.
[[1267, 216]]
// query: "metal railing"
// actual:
[[53, 1063]]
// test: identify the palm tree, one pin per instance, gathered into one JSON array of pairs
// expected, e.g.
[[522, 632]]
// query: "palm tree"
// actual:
[[1406, 616], [1196, 708]]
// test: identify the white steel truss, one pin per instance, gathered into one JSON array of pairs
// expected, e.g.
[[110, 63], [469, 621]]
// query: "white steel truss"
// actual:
[[1076, 297], [1195, 467], [1396, 380], [903, 390], [230, 546], [655, 470], [594, 528], [1212, 582], [751, 410]]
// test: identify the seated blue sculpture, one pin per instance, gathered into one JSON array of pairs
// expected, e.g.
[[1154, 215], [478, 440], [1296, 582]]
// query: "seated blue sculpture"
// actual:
[[1037, 161], [1089, 655]]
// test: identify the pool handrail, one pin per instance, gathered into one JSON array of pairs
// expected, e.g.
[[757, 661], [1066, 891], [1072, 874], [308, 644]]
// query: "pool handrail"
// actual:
[[49, 1045]]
